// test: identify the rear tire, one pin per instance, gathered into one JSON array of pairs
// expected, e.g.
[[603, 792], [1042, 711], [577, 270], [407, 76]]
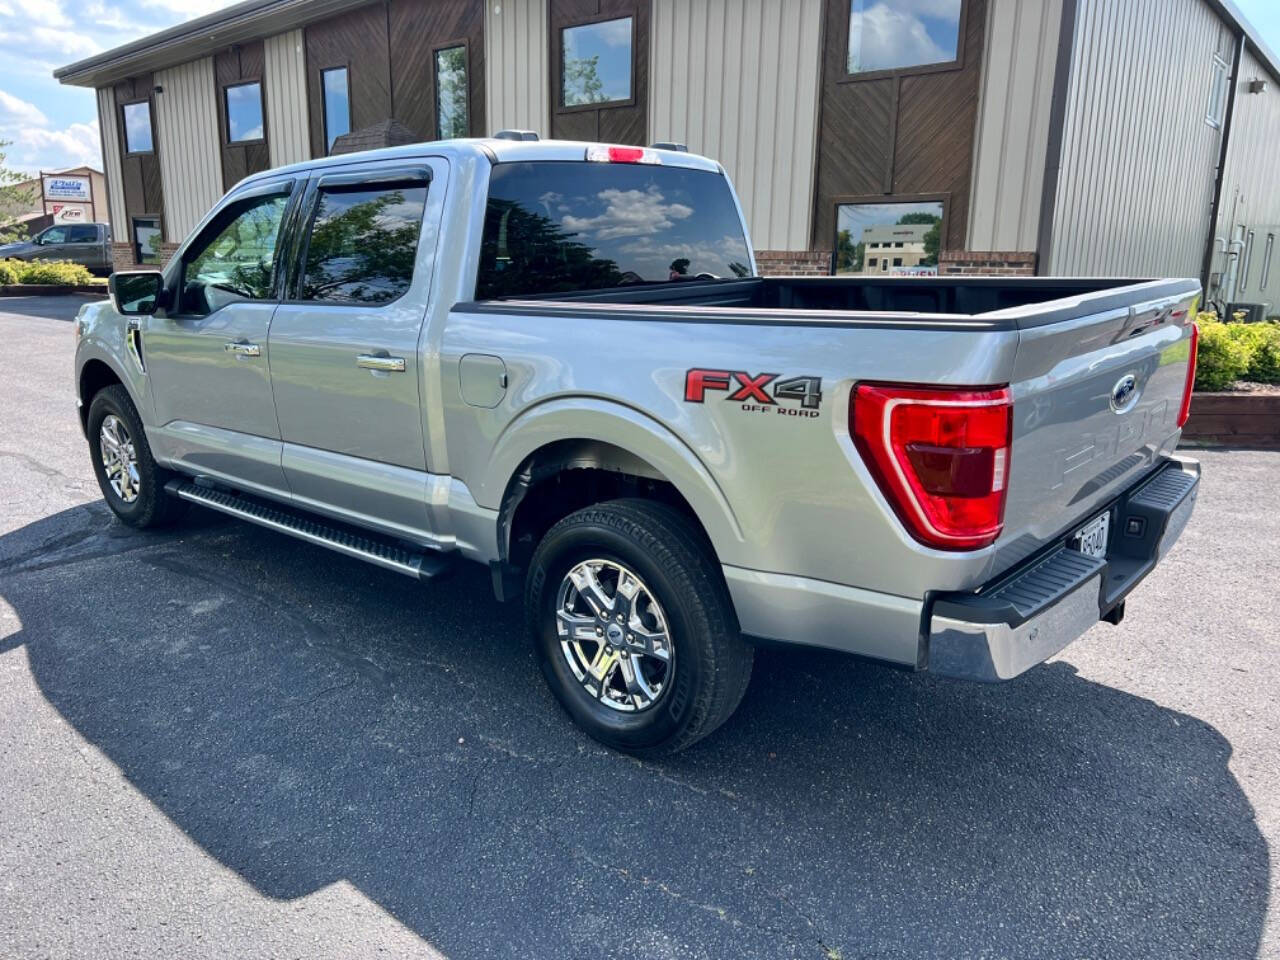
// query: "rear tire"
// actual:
[[688, 664], [132, 482]]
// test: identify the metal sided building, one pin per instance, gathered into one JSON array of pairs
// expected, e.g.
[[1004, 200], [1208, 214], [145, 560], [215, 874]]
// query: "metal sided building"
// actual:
[[1104, 137]]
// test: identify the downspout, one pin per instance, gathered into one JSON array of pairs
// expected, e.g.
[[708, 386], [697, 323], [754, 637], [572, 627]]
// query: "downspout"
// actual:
[[1220, 175], [1057, 127]]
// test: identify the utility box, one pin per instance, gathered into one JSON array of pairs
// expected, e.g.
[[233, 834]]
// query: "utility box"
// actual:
[[1247, 312]]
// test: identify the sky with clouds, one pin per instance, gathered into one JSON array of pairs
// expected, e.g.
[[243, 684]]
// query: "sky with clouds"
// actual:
[[51, 126]]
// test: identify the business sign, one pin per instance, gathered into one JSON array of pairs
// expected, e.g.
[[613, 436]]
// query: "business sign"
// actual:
[[69, 213], [75, 189]]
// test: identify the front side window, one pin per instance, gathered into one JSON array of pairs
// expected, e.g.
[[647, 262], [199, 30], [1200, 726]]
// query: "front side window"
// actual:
[[556, 226], [596, 63], [244, 112], [1217, 108], [137, 127], [363, 243], [53, 235], [337, 104], [234, 258], [451, 93], [913, 228], [146, 239], [885, 35]]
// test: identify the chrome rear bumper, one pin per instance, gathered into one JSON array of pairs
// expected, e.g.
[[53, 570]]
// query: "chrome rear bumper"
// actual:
[[1034, 611]]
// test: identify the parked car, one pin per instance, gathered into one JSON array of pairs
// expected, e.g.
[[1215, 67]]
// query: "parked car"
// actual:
[[556, 359], [88, 244]]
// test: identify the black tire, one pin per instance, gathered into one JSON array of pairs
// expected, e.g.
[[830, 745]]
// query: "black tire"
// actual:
[[152, 507], [712, 663]]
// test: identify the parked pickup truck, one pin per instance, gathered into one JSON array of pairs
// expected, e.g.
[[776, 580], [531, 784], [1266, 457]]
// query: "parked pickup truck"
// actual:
[[556, 359], [88, 244]]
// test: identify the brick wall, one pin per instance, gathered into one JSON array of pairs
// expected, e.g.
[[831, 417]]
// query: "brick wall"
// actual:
[[998, 263], [793, 263], [122, 256]]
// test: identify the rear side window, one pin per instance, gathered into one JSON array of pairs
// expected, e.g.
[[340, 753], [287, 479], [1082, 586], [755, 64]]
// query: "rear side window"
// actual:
[[558, 226], [82, 235], [363, 242]]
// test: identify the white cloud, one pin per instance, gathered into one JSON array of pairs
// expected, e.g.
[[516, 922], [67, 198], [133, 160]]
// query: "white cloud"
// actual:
[[630, 213], [17, 113], [34, 144]]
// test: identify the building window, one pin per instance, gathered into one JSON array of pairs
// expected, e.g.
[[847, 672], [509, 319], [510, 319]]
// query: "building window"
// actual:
[[137, 127], [146, 239], [234, 258], [1217, 93], [596, 63], [899, 36], [335, 88], [451, 93], [243, 103], [915, 228], [363, 242]]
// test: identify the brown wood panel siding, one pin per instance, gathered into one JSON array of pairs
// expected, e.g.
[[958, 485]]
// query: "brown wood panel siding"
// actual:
[[140, 172], [418, 28], [900, 136], [357, 41], [625, 123], [240, 64]]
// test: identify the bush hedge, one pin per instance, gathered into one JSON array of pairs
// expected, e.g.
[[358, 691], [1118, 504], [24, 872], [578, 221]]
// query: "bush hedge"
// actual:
[[45, 272], [1236, 351]]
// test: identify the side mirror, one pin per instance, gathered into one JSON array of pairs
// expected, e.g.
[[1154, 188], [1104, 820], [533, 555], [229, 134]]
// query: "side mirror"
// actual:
[[137, 292]]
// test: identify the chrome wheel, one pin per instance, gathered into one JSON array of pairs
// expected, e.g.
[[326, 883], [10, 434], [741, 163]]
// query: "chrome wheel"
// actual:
[[614, 635], [119, 458]]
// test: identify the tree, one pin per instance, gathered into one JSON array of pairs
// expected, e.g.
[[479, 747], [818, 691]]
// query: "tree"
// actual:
[[848, 254], [918, 217], [932, 239], [582, 83], [15, 200]]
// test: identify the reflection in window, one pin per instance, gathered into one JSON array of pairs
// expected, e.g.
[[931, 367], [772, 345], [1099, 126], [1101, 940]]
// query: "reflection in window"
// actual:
[[137, 127], [451, 93], [913, 228], [244, 112], [1217, 108], [337, 104], [597, 62], [906, 33], [363, 243], [234, 259], [146, 240], [552, 227]]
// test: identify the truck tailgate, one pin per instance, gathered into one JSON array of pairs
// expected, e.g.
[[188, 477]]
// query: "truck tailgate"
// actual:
[[1096, 403]]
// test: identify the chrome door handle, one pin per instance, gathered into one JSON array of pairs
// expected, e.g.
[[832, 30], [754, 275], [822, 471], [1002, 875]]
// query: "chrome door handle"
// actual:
[[242, 348], [371, 361]]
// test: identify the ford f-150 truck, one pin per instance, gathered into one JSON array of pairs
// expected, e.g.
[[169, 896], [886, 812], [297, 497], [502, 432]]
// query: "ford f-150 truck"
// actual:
[[557, 359], [88, 244]]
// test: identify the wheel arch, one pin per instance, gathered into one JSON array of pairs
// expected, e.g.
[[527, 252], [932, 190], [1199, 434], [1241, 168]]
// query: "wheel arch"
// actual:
[[94, 375]]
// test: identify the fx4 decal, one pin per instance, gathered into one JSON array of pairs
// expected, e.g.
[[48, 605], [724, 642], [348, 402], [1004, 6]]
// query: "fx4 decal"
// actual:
[[758, 393]]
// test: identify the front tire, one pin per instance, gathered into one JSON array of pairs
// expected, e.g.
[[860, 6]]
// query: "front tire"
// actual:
[[132, 482], [634, 628]]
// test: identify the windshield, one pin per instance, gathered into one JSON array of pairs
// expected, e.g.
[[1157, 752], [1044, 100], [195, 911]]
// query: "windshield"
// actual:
[[553, 227]]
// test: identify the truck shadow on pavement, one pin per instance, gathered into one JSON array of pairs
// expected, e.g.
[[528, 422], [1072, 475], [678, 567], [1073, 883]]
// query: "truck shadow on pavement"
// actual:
[[308, 719]]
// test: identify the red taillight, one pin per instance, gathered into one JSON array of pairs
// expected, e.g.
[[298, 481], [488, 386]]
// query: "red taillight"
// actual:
[[941, 457], [603, 154], [1185, 410]]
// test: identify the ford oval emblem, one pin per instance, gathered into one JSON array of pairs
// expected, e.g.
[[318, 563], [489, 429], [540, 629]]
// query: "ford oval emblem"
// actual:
[[1124, 394]]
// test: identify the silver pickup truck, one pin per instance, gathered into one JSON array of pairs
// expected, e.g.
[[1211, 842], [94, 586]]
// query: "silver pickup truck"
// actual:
[[557, 359]]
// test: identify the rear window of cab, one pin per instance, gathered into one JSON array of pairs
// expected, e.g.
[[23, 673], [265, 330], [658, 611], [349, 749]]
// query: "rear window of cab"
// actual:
[[561, 226]]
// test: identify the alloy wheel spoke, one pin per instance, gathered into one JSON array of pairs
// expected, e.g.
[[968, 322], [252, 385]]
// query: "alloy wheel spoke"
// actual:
[[578, 626], [591, 590]]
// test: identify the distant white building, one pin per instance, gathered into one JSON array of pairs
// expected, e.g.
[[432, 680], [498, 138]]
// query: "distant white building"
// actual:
[[894, 249]]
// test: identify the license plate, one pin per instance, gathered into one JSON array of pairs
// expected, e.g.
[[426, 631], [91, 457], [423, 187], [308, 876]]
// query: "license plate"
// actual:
[[1091, 539]]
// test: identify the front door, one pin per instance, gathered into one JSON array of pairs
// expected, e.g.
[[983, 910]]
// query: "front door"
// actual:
[[208, 357], [344, 348]]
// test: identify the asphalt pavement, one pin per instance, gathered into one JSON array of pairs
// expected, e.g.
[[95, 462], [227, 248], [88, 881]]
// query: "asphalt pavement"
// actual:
[[221, 742]]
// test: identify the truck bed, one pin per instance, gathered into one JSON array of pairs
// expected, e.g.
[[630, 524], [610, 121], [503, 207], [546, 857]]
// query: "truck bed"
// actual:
[[1019, 302]]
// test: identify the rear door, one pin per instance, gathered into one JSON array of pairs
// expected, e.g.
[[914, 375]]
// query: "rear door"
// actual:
[[208, 357], [1097, 392], [345, 365], [83, 245]]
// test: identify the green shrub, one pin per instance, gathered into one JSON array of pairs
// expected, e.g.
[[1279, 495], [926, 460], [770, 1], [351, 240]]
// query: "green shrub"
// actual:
[[1264, 364], [7, 273], [1222, 359], [54, 272]]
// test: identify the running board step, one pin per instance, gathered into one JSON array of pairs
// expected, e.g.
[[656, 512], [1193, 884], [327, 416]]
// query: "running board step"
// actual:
[[422, 565]]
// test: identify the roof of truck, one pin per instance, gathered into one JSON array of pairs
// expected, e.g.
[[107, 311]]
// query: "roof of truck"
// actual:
[[487, 149]]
